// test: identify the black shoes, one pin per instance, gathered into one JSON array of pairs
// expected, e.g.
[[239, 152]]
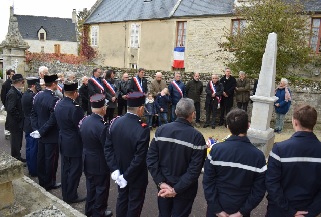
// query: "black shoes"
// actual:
[[78, 200], [221, 124], [206, 125], [213, 127], [55, 186]]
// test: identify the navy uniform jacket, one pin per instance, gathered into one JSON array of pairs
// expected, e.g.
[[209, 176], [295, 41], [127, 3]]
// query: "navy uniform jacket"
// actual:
[[133, 86], [43, 118], [293, 178], [92, 131], [27, 102], [126, 148], [176, 156], [14, 110], [68, 115], [234, 175]]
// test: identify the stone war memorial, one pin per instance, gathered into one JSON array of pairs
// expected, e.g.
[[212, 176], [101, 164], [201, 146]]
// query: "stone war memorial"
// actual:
[[260, 133]]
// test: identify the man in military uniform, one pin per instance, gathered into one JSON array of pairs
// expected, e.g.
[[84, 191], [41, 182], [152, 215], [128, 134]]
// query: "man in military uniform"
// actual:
[[175, 160], [31, 143], [92, 130], [68, 114], [15, 115], [44, 124], [125, 150], [138, 83]]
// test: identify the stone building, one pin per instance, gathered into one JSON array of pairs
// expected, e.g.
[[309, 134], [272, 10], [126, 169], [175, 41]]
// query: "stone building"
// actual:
[[130, 34]]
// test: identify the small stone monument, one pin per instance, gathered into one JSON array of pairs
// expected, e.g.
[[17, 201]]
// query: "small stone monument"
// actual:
[[260, 133]]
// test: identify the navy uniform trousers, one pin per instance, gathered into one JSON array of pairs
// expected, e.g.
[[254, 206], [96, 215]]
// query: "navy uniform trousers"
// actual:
[[31, 154], [130, 201]]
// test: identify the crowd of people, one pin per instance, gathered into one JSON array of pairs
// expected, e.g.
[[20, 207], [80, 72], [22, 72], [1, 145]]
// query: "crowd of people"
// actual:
[[236, 175]]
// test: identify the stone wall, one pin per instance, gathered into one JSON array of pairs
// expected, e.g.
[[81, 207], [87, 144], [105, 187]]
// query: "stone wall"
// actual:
[[300, 95]]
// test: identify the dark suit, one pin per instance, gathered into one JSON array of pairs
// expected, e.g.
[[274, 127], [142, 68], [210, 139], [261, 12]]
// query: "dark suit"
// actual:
[[133, 86], [31, 143], [43, 120], [15, 120], [84, 97], [122, 90], [95, 167], [211, 103], [94, 88], [125, 150], [109, 94], [227, 102], [68, 115], [4, 90]]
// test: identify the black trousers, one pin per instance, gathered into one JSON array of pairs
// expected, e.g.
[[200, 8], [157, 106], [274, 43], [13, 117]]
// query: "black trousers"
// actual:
[[130, 201], [198, 111], [242, 105], [122, 105], [16, 143], [110, 113], [175, 206], [97, 194], [71, 170], [226, 105], [211, 109], [47, 164]]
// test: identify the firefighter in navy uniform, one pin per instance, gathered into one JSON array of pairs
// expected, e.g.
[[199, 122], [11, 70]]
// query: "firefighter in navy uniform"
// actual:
[[15, 115], [68, 114], [294, 170], [125, 151], [44, 124], [92, 130], [175, 160], [234, 172], [31, 143]]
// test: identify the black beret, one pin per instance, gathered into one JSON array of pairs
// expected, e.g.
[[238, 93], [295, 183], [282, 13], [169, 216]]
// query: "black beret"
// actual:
[[32, 80], [135, 99], [17, 77], [71, 86], [50, 78], [97, 100]]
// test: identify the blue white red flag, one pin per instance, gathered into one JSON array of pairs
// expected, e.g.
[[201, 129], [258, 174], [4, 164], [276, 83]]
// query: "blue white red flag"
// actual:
[[179, 57]]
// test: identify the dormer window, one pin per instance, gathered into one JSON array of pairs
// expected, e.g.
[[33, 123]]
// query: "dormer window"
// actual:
[[42, 34]]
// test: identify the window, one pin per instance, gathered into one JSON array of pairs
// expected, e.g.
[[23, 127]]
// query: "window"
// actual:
[[57, 48], [134, 35], [181, 34], [42, 36], [133, 65], [94, 35], [316, 35], [238, 26]]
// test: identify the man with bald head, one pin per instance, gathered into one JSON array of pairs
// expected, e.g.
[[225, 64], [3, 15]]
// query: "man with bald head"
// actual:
[[157, 85], [122, 87]]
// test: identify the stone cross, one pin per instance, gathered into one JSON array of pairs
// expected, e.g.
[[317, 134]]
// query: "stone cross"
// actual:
[[260, 132]]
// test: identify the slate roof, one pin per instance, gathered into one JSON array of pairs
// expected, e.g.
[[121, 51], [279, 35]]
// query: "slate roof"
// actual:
[[58, 29], [130, 10]]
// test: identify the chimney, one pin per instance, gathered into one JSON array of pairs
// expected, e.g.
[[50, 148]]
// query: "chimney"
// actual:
[[74, 16]]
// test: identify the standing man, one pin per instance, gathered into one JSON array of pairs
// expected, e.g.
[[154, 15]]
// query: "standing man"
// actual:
[[229, 84], [4, 90], [83, 94], [139, 83], [214, 91], [294, 169], [44, 124], [68, 115], [234, 172], [242, 91], [31, 143], [95, 85], [15, 115], [122, 87], [125, 151], [194, 89], [175, 159], [43, 70], [177, 91], [111, 94], [92, 130]]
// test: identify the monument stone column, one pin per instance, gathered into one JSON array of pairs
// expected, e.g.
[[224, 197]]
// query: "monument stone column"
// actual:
[[260, 133], [14, 47]]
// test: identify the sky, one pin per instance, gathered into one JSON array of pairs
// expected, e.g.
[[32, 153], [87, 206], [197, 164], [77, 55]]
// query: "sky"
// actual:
[[49, 8]]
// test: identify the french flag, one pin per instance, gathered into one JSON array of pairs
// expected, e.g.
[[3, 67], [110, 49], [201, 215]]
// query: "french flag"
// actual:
[[179, 57]]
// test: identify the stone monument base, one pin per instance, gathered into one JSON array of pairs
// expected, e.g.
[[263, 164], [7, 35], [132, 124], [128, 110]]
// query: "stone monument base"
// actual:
[[263, 140]]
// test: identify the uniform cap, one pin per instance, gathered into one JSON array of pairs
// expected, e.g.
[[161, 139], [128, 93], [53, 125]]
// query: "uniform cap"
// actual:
[[50, 78], [17, 77], [70, 86], [32, 80], [97, 100], [135, 99]]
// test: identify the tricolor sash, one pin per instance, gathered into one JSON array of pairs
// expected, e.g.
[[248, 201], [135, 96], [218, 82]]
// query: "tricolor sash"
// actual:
[[139, 85], [97, 84], [177, 87], [59, 86], [214, 91], [111, 88]]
